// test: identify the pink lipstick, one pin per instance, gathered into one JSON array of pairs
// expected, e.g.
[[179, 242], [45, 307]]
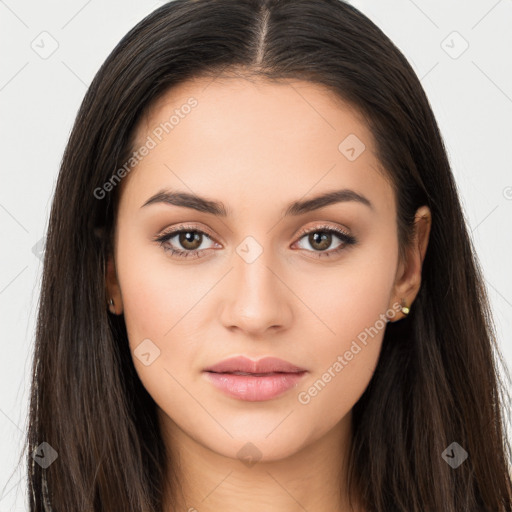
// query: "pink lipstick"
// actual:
[[254, 381]]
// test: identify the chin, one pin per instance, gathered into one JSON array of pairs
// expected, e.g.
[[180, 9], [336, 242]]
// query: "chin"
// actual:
[[258, 446]]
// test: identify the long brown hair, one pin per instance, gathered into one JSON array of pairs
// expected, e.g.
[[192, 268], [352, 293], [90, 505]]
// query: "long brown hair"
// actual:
[[437, 379]]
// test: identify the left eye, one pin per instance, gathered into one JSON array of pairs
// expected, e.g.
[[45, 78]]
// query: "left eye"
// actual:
[[320, 238]]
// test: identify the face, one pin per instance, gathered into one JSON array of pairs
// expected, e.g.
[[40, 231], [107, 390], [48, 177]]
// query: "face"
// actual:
[[250, 276]]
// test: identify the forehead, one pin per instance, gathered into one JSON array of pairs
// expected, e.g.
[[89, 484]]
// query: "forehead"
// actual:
[[244, 105], [258, 137]]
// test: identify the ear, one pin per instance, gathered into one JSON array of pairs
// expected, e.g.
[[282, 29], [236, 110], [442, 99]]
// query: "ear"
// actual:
[[408, 276], [112, 286]]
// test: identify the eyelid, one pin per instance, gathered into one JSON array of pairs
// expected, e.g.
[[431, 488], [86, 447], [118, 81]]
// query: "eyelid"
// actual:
[[300, 234], [319, 227], [184, 227]]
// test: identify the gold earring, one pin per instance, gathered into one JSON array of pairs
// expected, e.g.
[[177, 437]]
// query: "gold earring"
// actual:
[[111, 303], [405, 310]]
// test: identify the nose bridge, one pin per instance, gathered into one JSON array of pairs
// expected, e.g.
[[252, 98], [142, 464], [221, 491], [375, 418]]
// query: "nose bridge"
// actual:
[[255, 298], [252, 271]]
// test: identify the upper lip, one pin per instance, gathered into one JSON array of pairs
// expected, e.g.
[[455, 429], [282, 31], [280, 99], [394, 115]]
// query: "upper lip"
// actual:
[[247, 365]]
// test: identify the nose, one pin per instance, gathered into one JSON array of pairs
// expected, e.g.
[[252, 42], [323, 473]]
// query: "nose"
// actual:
[[256, 299]]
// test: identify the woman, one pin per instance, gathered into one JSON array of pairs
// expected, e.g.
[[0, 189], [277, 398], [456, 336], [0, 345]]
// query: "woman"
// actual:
[[259, 291]]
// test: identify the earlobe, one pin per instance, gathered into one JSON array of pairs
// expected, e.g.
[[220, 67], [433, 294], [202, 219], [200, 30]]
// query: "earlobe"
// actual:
[[114, 299]]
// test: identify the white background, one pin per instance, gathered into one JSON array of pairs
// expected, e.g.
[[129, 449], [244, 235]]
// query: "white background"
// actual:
[[470, 93]]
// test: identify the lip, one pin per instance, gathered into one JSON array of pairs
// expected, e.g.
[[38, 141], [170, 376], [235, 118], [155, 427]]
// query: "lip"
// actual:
[[247, 365], [279, 376]]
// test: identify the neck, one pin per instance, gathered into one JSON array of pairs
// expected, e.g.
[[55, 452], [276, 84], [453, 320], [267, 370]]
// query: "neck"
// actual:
[[312, 478]]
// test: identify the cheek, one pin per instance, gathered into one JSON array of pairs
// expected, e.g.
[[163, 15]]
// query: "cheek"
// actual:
[[159, 313], [142, 301], [152, 307], [153, 293], [349, 325], [148, 306], [344, 363], [351, 297], [331, 394]]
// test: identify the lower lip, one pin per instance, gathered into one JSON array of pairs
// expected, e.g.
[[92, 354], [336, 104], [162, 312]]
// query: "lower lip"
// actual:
[[254, 388]]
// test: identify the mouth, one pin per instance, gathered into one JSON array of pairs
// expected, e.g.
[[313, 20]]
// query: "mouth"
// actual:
[[251, 374], [243, 365], [243, 378], [254, 387]]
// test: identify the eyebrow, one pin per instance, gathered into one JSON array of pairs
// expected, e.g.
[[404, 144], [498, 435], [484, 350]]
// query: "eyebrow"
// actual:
[[295, 208]]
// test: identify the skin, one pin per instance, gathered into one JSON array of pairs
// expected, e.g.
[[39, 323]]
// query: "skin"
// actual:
[[257, 146]]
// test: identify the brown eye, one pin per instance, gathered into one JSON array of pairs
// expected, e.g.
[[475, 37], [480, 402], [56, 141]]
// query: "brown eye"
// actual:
[[184, 242], [320, 240], [190, 240], [322, 237]]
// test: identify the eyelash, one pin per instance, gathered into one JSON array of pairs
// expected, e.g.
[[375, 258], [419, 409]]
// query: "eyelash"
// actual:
[[347, 240]]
